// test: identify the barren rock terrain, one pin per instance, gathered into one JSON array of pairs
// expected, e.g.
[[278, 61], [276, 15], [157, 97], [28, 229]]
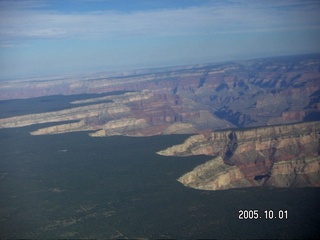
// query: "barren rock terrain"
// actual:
[[265, 95], [186, 99], [276, 156]]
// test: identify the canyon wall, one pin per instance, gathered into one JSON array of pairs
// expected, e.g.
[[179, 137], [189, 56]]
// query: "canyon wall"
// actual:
[[203, 100], [276, 156], [192, 98]]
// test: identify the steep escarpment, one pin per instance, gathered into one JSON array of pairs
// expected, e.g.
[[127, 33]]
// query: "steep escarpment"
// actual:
[[278, 156], [248, 93], [140, 113]]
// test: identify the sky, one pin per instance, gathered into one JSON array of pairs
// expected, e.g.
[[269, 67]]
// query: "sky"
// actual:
[[58, 37]]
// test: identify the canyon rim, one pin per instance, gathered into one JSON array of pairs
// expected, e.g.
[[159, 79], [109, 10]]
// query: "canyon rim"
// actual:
[[271, 105]]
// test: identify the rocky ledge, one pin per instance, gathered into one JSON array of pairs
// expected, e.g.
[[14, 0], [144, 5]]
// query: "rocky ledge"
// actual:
[[275, 156]]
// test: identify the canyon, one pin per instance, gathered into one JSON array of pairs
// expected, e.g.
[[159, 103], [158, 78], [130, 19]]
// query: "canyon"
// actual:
[[273, 156], [185, 99], [258, 119]]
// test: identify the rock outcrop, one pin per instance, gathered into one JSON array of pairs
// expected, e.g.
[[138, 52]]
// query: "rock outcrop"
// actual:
[[215, 175], [210, 96], [123, 126], [62, 128], [140, 113], [200, 99], [277, 156]]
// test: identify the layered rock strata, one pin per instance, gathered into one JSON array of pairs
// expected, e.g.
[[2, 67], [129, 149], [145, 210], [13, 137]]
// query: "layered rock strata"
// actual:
[[209, 96], [200, 99], [140, 113], [277, 156]]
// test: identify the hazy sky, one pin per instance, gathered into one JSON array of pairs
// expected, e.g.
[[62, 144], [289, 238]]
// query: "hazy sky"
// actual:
[[87, 36]]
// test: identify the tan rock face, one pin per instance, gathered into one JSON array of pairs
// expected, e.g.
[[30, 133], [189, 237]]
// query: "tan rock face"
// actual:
[[123, 126], [63, 128], [212, 175], [180, 128], [76, 113], [296, 172], [278, 156]]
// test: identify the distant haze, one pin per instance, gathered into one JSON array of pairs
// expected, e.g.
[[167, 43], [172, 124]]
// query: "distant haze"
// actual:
[[73, 37]]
